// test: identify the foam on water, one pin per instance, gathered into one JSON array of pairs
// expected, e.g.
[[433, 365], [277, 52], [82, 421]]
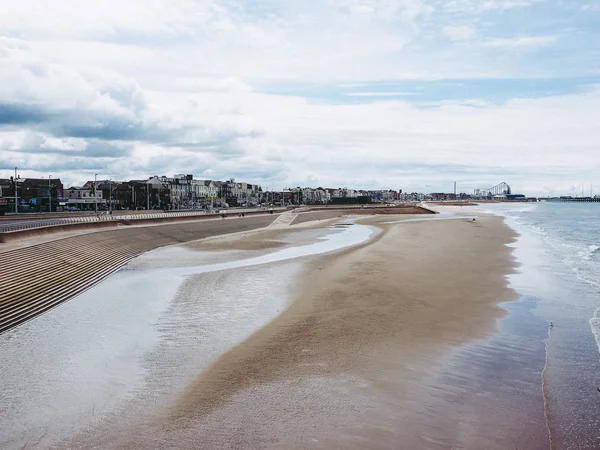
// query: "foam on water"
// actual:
[[569, 232], [557, 252], [595, 325], [591, 251], [571, 239]]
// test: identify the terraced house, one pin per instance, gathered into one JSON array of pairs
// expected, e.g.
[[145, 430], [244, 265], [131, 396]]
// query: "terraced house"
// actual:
[[205, 191], [240, 193], [34, 194]]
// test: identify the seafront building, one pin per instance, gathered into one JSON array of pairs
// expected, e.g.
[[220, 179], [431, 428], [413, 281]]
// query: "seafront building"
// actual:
[[31, 194], [180, 192], [184, 192], [82, 198]]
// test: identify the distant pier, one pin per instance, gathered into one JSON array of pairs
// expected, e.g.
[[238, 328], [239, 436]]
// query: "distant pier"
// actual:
[[572, 199]]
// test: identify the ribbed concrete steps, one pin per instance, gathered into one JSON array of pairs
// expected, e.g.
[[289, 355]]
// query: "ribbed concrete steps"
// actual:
[[37, 278]]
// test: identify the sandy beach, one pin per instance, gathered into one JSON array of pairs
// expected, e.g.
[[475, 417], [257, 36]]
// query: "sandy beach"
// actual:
[[349, 349], [378, 317], [350, 362]]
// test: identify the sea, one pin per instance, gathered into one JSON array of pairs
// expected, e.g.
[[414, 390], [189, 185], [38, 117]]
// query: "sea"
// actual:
[[557, 316]]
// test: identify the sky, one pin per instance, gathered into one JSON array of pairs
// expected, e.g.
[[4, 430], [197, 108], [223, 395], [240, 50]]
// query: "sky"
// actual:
[[371, 94]]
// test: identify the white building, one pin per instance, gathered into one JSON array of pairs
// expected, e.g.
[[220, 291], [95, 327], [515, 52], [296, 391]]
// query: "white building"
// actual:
[[181, 194], [243, 192], [205, 190], [82, 198]]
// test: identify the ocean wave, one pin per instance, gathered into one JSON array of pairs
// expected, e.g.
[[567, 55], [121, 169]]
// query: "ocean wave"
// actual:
[[595, 325], [586, 275], [579, 260], [524, 208], [578, 256], [537, 229], [589, 253]]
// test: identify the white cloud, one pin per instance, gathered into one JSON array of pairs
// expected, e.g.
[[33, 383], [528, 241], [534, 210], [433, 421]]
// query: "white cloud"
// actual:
[[521, 41], [473, 6], [131, 89], [380, 94], [73, 18], [405, 10], [591, 7], [459, 33], [388, 143]]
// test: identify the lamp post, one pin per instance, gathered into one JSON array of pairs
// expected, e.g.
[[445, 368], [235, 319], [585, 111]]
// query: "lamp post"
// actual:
[[95, 195], [16, 194], [110, 196], [49, 194]]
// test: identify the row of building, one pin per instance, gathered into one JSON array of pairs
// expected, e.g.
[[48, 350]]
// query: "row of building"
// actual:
[[169, 193], [313, 196], [157, 192]]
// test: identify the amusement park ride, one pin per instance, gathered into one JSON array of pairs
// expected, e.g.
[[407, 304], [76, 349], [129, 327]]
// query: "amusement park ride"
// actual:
[[501, 189]]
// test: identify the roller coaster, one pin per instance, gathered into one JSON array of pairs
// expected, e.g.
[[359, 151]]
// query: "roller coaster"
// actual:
[[499, 189]]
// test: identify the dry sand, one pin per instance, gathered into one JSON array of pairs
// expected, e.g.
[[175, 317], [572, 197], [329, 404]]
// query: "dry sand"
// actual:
[[340, 367]]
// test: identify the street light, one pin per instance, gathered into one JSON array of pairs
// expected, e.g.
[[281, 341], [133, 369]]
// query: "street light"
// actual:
[[16, 194], [49, 194], [95, 195]]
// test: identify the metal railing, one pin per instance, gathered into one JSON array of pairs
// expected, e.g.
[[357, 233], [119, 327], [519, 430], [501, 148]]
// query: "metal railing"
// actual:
[[103, 217]]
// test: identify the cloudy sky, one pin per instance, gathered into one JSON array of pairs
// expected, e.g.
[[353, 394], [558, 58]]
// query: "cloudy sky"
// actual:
[[410, 94]]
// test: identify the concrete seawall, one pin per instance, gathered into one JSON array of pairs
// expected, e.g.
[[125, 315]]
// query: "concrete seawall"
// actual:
[[11, 236], [37, 278]]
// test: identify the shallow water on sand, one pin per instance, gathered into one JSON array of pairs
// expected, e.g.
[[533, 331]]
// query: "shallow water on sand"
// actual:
[[135, 340], [488, 395], [559, 266]]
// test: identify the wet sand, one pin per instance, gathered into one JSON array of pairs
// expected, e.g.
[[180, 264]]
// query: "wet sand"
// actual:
[[269, 237], [350, 363], [353, 211], [362, 357], [318, 215]]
